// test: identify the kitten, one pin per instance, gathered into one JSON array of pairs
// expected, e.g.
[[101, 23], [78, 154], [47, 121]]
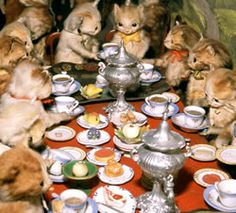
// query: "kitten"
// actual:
[[5, 77], [129, 20], [77, 42], [205, 55], [220, 92]]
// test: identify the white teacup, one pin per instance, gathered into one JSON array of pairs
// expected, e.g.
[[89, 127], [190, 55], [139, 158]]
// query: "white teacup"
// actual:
[[147, 71], [194, 116], [62, 82], [157, 102], [66, 104], [110, 49], [227, 192]]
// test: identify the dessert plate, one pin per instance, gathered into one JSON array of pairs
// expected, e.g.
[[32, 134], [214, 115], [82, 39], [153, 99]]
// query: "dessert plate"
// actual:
[[76, 152], [125, 146], [179, 120], [203, 152], [91, 158], [127, 205], [82, 138], [227, 155], [156, 76], [211, 196], [61, 133], [148, 110], [102, 124], [140, 117], [75, 87], [208, 176], [171, 96], [78, 110], [125, 177]]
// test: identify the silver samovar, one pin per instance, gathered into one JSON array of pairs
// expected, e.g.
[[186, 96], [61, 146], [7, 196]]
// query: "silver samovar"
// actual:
[[160, 158], [122, 73]]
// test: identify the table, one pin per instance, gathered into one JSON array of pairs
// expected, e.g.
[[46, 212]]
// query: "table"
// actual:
[[189, 195]]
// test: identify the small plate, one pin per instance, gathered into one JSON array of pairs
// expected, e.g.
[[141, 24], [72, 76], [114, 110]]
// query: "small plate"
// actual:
[[125, 177], [211, 196], [203, 152], [156, 76], [61, 133], [124, 146], [78, 110], [129, 204], [3, 148], [91, 158], [76, 152], [179, 120], [140, 117], [171, 96], [83, 139], [102, 124], [208, 176], [75, 87], [173, 109], [227, 155]]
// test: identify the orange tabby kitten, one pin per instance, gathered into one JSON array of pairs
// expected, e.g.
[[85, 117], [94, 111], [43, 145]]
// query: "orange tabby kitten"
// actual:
[[129, 20], [207, 53], [220, 90]]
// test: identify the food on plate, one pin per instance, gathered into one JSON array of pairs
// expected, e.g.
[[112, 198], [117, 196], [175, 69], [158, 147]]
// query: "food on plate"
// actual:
[[91, 90], [93, 133], [131, 130], [128, 116], [113, 169], [113, 199], [211, 178], [80, 169], [57, 206], [92, 118], [104, 155]]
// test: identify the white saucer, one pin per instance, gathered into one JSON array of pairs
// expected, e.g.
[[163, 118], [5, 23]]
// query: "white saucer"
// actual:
[[125, 177], [227, 154], [61, 133], [83, 139], [78, 110], [129, 204], [148, 110], [75, 87], [90, 157], [211, 196], [103, 122], [156, 76], [203, 152], [76, 152], [179, 120], [124, 146], [140, 117]]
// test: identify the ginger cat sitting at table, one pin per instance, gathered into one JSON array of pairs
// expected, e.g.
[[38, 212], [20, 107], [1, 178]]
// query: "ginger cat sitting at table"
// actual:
[[220, 92], [205, 56], [129, 20], [77, 42]]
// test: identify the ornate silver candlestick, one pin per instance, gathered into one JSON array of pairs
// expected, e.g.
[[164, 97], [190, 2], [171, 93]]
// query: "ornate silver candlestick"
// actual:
[[122, 72], [160, 158]]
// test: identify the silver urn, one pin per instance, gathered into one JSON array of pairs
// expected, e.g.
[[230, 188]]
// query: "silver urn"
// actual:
[[122, 72], [160, 158]]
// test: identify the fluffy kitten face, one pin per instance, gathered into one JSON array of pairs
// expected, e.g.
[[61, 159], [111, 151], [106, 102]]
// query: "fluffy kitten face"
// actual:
[[128, 19], [220, 87]]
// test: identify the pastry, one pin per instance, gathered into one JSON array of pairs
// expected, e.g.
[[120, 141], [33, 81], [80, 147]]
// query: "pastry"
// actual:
[[80, 169], [114, 199], [113, 169], [128, 117], [92, 90], [92, 118], [104, 155]]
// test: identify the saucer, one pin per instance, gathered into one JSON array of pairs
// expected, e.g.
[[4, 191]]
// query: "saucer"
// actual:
[[61, 133], [102, 124], [227, 155], [208, 176], [127, 206], [91, 158], [125, 177], [203, 152], [83, 139], [125, 146], [171, 96], [179, 120], [211, 196], [156, 76], [76, 152], [148, 110], [75, 87], [78, 110]]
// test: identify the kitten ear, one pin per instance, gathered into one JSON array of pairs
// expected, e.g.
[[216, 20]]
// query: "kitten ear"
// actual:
[[211, 50], [201, 36], [177, 23], [116, 9], [72, 23], [95, 3], [141, 11], [127, 2]]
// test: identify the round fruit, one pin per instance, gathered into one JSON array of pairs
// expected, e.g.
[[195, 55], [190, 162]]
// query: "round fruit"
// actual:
[[131, 131], [80, 169]]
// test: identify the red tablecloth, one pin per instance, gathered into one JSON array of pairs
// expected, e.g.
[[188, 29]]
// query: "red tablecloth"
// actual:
[[189, 195]]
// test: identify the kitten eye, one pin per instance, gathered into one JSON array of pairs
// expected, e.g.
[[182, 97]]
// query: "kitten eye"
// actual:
[[96, 28], [120, 24], [216, 100], [134, 25], [194, 60]]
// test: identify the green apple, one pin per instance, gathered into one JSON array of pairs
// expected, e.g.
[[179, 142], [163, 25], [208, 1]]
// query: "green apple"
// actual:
[[131, 131]]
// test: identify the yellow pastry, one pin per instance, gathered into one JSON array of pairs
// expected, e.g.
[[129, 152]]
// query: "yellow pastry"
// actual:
[[92, 90], [113, 169], [92, 118]]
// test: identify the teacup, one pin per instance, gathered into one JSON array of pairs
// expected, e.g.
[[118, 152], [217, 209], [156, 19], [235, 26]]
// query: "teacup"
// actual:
[[194, 116], [74, 198], [157, 102], [110, 49], [147, 71], [227, 192], [62, 82], [66, 104]]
